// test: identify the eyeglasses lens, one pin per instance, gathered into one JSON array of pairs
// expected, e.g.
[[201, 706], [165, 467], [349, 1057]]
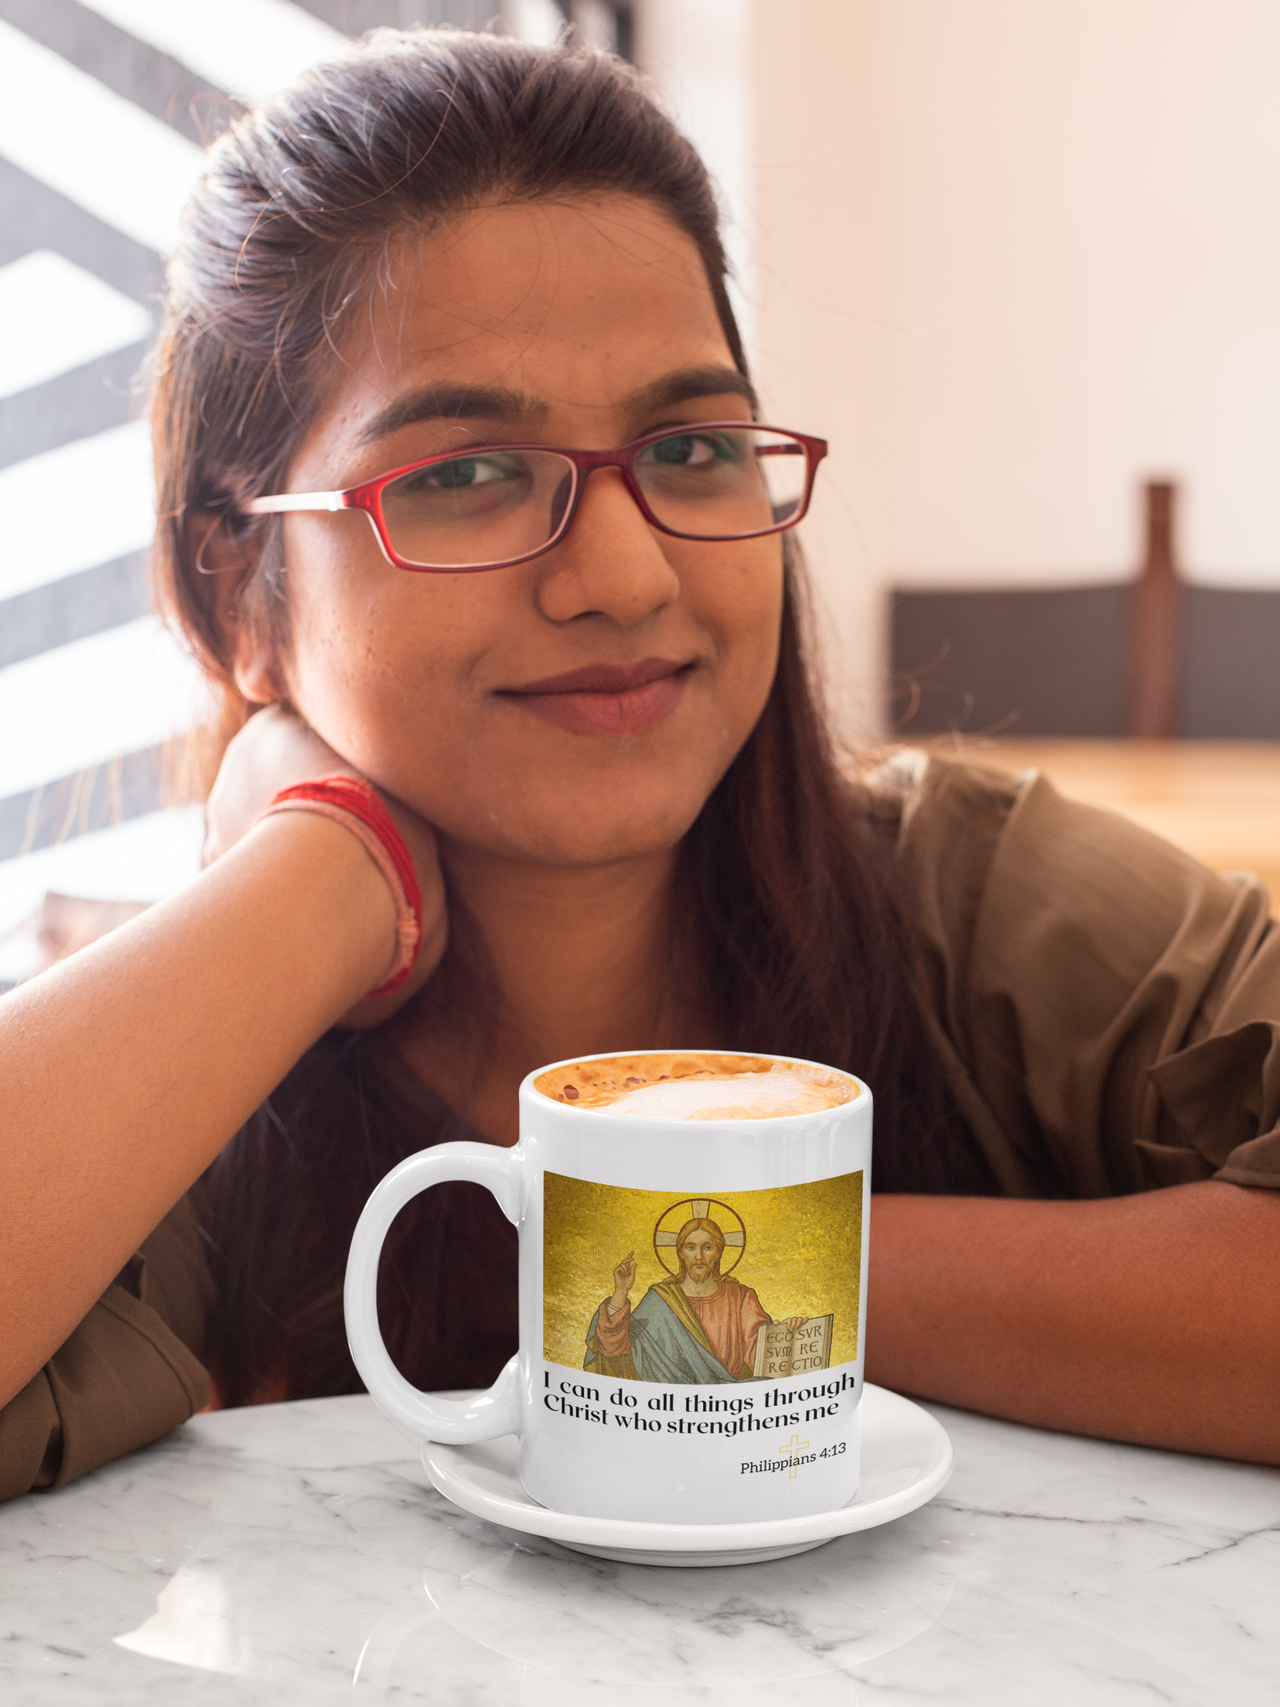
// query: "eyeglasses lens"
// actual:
[[480, 508], [491, 506], [724, 483]]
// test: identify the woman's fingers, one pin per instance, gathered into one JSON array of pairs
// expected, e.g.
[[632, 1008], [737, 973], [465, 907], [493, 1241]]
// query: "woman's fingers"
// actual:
[[274, 750]]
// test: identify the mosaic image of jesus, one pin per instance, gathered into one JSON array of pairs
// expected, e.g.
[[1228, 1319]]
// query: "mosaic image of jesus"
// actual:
[[697, 1325]]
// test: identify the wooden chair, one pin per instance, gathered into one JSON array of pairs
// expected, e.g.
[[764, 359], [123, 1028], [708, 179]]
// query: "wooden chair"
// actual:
[[1151, 657]]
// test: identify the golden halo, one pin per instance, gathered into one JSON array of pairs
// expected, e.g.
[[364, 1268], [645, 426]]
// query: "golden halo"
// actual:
[[671, 1220]]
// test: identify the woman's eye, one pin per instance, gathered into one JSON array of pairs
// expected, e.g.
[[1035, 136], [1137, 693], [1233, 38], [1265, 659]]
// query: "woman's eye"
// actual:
[[684, 450], [461, 474], [464, 471]]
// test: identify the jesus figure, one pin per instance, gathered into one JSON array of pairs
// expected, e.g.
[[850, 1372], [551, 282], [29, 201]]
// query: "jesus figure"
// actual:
[[695, 1326]]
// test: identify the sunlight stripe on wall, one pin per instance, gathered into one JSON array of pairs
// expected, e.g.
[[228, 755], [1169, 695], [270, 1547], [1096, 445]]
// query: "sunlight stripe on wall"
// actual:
[[72, 133], [57, 317], [143, 860], [81, 704], [251, 47], [88, 502]]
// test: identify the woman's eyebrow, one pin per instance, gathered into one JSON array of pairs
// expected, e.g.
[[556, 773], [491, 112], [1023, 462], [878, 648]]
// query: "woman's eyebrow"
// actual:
[[452, 403], [471, 402], [688, 384]]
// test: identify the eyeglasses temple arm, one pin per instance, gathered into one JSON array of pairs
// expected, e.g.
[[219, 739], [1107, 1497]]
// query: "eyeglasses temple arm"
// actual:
[[296, 501]]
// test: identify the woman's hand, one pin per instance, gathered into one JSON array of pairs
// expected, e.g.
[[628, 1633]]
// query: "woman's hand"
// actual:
[[275, 750]]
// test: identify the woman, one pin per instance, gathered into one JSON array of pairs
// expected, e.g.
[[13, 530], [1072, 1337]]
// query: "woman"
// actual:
[[625, 823]]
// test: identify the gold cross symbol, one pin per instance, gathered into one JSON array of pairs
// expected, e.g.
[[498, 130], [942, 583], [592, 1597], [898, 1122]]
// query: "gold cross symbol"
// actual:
[[796, 1445]]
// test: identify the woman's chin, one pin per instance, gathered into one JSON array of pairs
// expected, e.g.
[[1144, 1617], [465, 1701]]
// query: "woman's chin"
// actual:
[[589, 833]]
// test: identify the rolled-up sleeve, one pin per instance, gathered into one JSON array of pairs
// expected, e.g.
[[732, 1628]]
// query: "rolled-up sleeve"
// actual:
[[1108, 1007], [128, 1374], [1222, 1098]]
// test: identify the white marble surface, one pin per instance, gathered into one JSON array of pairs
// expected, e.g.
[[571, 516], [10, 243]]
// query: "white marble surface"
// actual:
[[293, 1554]]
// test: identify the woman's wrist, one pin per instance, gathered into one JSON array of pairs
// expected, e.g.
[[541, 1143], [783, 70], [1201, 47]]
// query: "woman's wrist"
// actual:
[[353, 922], [356, 806]]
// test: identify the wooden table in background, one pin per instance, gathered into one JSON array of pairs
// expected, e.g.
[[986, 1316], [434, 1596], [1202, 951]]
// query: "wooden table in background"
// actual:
[[1220, 800]]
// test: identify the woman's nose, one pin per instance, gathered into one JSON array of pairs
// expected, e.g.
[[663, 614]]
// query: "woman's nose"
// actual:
[[610, 563]]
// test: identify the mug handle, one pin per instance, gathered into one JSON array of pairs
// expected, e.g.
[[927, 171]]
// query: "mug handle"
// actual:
[[452, 1421]]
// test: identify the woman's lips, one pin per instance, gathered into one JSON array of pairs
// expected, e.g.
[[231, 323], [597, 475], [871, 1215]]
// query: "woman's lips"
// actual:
[[606, 699]]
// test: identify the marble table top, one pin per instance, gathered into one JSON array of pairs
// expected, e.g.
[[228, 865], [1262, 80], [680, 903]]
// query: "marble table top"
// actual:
[[294, 1554]]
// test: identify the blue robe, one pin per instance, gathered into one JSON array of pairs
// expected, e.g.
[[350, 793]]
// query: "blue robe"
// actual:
[[663, 1347]]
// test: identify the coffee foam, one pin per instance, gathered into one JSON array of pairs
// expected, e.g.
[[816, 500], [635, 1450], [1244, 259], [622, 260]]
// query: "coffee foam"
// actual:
[[697, 1086]]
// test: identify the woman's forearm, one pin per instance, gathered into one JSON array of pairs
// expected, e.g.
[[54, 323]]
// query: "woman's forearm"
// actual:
[[1153, 1318], [124, 1070]]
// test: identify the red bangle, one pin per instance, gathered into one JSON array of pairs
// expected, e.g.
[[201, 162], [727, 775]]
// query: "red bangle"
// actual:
[[356, 805]]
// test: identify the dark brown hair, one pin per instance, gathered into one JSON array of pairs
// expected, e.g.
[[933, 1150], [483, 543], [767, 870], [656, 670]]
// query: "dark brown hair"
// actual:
[[802, 945]]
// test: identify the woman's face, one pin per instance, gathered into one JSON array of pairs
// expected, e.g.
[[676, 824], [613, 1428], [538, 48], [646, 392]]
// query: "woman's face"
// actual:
[[587, 324]]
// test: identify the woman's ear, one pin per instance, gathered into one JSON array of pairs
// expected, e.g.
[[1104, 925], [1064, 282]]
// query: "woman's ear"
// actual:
[[230, 562]]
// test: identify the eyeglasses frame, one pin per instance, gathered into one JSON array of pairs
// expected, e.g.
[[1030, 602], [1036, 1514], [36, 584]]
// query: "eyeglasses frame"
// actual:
[[368, 495]]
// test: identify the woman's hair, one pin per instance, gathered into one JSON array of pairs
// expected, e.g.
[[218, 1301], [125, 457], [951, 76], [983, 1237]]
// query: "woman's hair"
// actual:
[[702, 1225], [298, 215]]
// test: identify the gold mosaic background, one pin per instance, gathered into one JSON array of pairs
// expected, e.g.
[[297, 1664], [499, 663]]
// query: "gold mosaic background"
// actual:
[[803, 1254]]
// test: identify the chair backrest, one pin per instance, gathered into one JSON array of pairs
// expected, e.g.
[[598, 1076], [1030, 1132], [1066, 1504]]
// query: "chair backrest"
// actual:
[[1231, 664], [1154, 656]]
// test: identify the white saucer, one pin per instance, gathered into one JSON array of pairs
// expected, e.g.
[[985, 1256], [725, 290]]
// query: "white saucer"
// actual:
[[906, 1460]]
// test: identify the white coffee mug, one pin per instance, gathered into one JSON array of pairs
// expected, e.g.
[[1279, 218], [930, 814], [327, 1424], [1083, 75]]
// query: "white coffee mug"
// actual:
[[728, 1391]]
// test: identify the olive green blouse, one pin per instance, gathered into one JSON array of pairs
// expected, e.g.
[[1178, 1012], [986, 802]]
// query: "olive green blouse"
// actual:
[[1107, 1009]]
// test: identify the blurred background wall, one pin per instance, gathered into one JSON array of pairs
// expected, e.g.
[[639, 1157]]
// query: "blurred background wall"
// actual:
[[1010, 258]]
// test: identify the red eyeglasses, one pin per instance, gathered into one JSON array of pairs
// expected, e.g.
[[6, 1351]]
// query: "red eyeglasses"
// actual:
[[490, 506]]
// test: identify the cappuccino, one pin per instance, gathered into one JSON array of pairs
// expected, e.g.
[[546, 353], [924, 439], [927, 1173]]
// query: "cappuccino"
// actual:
[[697, 1085]]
